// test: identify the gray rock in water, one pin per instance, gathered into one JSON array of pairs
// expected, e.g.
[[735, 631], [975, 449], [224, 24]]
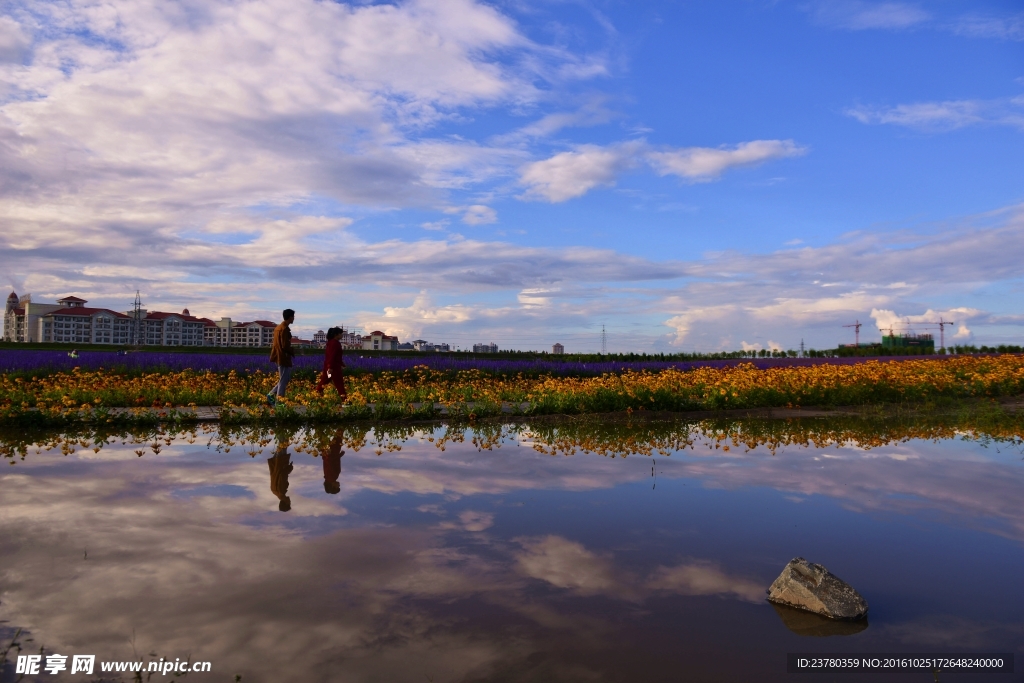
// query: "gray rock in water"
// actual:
[[808, 586]]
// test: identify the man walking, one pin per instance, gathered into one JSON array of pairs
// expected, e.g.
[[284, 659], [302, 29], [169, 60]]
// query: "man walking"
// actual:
[[281, 353]]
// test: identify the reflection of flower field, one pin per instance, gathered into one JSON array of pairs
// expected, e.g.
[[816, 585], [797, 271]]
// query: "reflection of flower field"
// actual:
[[561, 437], [706, 388]]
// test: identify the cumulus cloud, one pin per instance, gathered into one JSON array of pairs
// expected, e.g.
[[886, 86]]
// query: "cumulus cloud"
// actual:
[[568, 175], [704, 163], [153, 129], [479, 215]]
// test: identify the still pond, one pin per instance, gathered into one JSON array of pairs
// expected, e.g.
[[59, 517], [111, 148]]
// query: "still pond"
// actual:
[[573, 551]]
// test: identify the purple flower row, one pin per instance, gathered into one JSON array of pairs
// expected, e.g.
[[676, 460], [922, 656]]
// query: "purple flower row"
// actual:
[[14, 360]]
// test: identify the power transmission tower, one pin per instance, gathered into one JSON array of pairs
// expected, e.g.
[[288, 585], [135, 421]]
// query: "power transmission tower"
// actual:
[[604, 342], [136, 338]]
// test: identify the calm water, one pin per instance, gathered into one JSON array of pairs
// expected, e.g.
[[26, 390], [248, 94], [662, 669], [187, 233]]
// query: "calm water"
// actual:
[[505, 563]]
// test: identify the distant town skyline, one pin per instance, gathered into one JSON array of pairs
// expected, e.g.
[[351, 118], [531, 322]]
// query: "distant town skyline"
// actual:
[[690, 176]]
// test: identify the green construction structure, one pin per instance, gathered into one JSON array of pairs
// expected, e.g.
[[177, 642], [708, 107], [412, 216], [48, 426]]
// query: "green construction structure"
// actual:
[[921, 343]]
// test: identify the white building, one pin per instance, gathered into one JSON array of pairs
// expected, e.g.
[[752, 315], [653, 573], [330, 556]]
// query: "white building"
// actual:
[[378, 341], [227, 332], [485, 348], [70, 321], [557, 349]]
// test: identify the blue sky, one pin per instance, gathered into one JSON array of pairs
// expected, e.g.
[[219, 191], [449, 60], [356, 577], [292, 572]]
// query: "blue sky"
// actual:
[[691, 175]]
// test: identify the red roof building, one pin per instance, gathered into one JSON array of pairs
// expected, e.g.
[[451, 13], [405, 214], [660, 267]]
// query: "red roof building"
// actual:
[[70, 321]]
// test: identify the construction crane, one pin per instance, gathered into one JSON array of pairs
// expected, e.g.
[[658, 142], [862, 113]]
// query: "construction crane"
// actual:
[[856, 331], [942, 330]]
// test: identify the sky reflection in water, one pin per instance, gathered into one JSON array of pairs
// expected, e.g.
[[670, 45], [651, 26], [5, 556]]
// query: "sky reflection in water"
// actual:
[[504, 564]]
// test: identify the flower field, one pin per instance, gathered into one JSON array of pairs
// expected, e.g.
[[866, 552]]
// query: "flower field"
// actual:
[[38, 362], [66, 394]]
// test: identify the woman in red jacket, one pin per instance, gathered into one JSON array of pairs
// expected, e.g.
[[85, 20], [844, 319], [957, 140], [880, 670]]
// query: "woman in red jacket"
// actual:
[[333, 364]]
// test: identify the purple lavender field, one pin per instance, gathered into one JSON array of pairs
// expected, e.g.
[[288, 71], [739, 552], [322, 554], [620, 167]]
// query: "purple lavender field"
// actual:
[[13, 360]]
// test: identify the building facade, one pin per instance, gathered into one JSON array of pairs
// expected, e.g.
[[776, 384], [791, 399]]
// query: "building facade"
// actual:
[[557, 349], [227, 332], [378, 341], [70, 321], [485, 348]]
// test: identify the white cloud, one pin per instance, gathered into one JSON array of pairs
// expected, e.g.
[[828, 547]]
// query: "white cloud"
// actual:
[[981, 26], [148, 126], [706, 163], [963, 333], [409, 322], [479, 215], [927, 322], [592, 113], [858, 16], [14, 44], [947, 115], [568, 175]]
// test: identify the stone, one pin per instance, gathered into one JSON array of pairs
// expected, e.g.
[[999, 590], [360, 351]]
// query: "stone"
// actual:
[[808, 586]]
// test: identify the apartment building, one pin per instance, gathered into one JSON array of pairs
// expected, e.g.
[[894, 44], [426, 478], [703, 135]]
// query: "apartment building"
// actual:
[[378, 341], [70, 321], [227, 332]]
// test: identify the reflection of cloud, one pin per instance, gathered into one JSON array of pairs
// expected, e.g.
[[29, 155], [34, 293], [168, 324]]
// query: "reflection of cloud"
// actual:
[[702, 578], [566, 564], [476, 521]]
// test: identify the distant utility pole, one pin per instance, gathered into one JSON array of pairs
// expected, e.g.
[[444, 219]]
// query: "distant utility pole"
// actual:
[[137, 321], [604, 342]]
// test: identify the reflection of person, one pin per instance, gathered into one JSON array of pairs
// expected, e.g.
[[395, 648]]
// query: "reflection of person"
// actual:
[[333, 364], [280, 467], [332, 464], [281, 353]]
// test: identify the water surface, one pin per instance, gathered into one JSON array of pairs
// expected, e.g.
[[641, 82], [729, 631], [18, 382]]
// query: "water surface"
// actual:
[[508, 553]]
